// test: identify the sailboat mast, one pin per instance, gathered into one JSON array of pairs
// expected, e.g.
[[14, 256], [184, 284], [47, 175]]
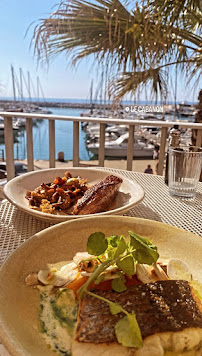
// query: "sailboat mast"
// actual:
[[13, 81], [91, 97], [21, 84], [176, 88], [28, 81], [38, 87]]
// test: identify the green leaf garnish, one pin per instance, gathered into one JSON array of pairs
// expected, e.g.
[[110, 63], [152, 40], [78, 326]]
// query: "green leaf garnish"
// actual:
[[127, 265], [145, 251], [116, 246], [197, 286], [118, 284], [121, 248], [97, 244], [113, 240], [128, 332], [115, 308]]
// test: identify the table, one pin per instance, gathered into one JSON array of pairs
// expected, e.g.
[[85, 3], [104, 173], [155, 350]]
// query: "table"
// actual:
[[17, 226]]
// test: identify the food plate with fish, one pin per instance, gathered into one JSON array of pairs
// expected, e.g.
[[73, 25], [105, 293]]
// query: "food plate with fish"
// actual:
[[57, 195], [155, 275]]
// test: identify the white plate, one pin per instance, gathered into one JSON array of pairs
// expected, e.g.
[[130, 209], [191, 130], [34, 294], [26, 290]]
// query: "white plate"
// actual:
[[19, 304], [130, 193]]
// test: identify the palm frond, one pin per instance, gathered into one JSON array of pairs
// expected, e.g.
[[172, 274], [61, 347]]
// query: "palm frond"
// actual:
[[129, 82], [177, 11], [104, 28], [138, 40]]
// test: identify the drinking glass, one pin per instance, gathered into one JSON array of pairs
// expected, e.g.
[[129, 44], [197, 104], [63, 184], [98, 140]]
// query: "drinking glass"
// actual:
[[184, 169]]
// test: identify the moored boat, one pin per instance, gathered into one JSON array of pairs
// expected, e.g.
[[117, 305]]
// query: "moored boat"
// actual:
[[119, 148]]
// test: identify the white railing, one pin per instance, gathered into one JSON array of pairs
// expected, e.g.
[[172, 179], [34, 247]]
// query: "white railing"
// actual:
[[8, 136]]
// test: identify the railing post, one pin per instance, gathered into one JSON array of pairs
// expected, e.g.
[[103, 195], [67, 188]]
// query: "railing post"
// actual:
[[8, 137], [51, 126], [102, 145], [75, 144], [130, 147], [199, 138], [164, 131], [30, 155]]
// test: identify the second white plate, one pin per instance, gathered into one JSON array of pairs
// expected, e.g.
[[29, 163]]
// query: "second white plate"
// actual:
[[130, 193]]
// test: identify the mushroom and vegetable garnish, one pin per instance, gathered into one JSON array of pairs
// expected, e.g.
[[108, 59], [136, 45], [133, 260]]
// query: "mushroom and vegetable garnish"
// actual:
[[61, 194]]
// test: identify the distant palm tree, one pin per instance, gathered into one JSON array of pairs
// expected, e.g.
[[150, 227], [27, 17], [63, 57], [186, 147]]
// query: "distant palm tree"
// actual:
[[136, 43]]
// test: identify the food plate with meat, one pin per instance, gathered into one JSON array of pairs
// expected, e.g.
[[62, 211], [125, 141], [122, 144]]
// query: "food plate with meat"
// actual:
[[167, 308], [57, 195]]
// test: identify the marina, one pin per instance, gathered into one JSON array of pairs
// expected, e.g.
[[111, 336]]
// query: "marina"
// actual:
[[146, 139], [89, 136]]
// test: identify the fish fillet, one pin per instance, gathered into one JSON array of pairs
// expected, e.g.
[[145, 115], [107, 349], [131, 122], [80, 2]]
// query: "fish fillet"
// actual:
[[169, 315]]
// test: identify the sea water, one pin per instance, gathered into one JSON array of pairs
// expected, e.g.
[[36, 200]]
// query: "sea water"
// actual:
[[63, 138]]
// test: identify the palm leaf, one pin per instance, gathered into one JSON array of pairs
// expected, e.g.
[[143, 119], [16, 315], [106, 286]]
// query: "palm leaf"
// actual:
[[126, 38], [130, 81]]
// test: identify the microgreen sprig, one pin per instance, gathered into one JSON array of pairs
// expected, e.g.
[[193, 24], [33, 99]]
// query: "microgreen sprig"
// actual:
[[96, 273], [116, 251]]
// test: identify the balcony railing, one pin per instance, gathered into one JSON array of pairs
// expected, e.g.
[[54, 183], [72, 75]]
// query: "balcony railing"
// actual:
[[8, 136]]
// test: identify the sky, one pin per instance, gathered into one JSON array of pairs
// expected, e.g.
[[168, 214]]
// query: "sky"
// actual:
[[58, 80]]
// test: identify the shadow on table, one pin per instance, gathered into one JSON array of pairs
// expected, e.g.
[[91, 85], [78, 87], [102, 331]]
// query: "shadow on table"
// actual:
[[23, 225], [142, 211], [195, 202]]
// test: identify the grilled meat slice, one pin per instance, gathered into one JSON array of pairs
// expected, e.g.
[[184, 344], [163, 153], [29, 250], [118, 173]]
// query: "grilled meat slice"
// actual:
[[169, 315], [98, 197]]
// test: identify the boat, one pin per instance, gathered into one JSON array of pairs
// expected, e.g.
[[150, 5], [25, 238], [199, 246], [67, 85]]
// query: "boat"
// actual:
[[15, 127], [20, 122], [109, 136], [186, 110], [151, 133], [93, 129], [117, 129], [119, 148]]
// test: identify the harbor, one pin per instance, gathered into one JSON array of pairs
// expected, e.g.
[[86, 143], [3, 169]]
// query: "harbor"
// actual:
[[98, 107], [146, 139], [89, 137]]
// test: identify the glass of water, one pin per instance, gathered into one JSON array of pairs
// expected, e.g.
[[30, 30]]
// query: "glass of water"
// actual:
[[184, 169]]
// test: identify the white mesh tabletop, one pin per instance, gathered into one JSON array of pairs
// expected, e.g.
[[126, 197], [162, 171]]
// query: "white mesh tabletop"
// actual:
[[17, 226]]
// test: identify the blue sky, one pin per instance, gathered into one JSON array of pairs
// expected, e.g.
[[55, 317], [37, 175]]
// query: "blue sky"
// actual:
[[58, 81]]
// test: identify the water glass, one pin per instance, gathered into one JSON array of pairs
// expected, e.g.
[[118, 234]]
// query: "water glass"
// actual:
[[184, 169]]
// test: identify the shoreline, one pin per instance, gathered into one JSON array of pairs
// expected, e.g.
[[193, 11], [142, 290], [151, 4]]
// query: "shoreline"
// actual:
[[137, 166], [7, 104]]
